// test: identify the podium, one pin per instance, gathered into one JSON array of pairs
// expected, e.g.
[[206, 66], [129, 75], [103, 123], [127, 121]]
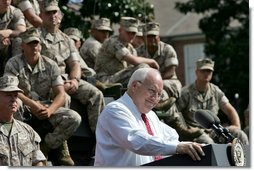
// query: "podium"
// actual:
[[216, 155]]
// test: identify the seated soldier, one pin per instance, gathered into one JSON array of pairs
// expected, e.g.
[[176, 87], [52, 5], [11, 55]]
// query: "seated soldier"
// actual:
[[12, 23], [44, 95], [204, 95]]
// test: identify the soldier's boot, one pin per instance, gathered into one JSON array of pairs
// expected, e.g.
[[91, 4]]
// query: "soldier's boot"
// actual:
[[64, 157], [166, 104], [103, 86]]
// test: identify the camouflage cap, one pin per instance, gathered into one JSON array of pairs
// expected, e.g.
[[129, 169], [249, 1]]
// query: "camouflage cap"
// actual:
[[101, 24], [73, 33], [140, 30], [205, 63], [130, 24], [31, 34], [50, 5], [153, 28], [9, 84]]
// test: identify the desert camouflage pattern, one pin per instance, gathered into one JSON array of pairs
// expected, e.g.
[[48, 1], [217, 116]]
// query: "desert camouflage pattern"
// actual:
[[23, 142]]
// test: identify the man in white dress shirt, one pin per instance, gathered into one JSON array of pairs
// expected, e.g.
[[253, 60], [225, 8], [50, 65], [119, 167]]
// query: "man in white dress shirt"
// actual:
[[121, 134]]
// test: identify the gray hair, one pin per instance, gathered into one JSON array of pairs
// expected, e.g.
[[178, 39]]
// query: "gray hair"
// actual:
[[139, 75]]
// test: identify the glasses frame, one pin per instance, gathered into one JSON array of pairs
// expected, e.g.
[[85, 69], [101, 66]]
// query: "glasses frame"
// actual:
[[152, 92]]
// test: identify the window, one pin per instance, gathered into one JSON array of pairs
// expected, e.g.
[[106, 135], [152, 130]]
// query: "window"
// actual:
[[192, 52]]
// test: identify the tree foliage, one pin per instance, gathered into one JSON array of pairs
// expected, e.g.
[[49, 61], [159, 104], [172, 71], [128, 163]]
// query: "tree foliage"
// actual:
[[226, 27], [113, 10]]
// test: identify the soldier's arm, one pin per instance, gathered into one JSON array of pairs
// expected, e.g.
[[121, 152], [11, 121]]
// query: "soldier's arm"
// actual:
[[34, 19], [232, 114], [171, 61], [169, 72], [59, 98], [19, 29], [136, 60], [35, 106], [27, 9], [75, 70], [20, 25]]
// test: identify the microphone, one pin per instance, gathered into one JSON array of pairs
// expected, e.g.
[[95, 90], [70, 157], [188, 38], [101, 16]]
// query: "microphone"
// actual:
[[208, 120]]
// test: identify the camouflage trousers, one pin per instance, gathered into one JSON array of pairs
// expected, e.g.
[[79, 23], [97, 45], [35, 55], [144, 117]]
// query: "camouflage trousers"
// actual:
[[121, 76], [92, 99], [65, 122], [211, 137], [172, 88], [58, 128]]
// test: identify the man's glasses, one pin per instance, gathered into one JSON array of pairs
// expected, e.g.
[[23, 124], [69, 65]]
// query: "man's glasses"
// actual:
[[152, 92]]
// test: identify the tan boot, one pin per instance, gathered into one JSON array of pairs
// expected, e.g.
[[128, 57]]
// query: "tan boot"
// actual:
[[64, 157], [102, 86]]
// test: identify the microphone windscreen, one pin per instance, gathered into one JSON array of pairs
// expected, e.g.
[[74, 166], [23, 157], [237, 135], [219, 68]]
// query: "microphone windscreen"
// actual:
[[215, 117], [204, 118]]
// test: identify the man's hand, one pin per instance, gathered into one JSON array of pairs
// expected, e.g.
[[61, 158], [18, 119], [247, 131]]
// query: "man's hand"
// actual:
[[71, 86], [40, 110], [194, 150], [5, 41], [153, 64]]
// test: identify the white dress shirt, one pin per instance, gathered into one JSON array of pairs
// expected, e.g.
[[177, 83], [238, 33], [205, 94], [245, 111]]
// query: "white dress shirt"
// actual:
[[122, 138]]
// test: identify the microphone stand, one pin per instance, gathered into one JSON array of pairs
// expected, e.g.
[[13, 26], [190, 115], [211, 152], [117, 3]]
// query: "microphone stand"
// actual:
[[224, 135]]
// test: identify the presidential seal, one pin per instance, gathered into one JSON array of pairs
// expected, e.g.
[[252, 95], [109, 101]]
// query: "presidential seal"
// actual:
[[238, 154]]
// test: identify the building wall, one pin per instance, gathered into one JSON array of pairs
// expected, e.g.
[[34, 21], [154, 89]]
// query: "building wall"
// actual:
[[178, 45]]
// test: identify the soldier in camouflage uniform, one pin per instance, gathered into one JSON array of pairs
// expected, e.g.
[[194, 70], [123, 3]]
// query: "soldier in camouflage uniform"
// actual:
[[164, 54], [117, 58], [19, 143], [76, 35], [166, 57], [204, 95], [138, 40], [87, 73], [99, 33], [59, 47], [12, 23], [31, 11], [40, 79]]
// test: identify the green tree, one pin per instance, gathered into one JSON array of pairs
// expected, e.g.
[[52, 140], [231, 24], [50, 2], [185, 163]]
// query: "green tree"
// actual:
[[113, 10], [226, 27]]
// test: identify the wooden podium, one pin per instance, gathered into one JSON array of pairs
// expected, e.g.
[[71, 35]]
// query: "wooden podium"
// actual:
[[216, 155]]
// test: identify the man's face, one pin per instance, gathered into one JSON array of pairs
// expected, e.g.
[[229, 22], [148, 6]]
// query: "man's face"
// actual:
[[4, 4], [51, 18], [126, 36], [9, 102], [32, 48], [152, 41], [101, 35], [204, 75], [147, 94]]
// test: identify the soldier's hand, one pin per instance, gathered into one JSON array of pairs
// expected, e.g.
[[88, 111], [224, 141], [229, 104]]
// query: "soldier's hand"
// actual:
[[73, 86], [6, 33], [6, 41], [37, 108], [44, 113], [152, 63], [194, 150]]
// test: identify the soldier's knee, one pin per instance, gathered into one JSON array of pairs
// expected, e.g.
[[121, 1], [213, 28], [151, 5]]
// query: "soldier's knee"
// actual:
[[241, 135], [75, 118]]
